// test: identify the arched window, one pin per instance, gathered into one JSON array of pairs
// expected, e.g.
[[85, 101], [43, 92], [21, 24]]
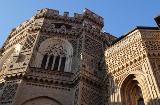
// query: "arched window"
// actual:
[[50, 62], [56, 64], [44, 61], [10, 55], [55, 54], [62, 63], [53, 63]]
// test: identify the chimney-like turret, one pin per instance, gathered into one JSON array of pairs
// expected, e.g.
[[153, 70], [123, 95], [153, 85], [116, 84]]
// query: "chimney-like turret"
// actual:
[[157, 19]]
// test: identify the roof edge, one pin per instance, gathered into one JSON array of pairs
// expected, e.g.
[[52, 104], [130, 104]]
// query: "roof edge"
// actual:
[[137, 27], [141, 27]]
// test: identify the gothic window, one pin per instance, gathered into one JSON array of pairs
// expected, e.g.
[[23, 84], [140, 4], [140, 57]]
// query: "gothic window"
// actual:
[[55, 54], [56, 63], [62, 63], [44, 61], [53, 63], [50, 62]]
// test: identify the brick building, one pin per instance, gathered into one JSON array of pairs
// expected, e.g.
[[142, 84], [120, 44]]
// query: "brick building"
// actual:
[[60, 60]]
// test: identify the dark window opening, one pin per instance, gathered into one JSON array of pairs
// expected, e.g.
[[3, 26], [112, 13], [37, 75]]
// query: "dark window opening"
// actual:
[[141, 101], [56, 63], [44, 61], [20, 58], [159, 67], [50, 63], [62, 63], [58, 25]]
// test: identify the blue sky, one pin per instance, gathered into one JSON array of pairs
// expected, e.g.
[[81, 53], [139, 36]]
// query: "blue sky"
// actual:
[[120, 16]]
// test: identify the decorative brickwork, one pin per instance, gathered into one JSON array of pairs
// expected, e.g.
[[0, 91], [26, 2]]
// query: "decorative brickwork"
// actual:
[[76, 95], [56, 59], [131, 70], [8, 93], [93, 47], [29, 42], [90, 96], [74, 45]]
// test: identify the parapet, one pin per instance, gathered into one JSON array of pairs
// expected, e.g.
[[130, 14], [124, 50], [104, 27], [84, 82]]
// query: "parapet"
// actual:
[[54, 14], [94, 17], [88, 20]]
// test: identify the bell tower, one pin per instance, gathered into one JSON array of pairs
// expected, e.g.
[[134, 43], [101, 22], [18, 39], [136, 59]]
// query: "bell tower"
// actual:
[[55, 59]]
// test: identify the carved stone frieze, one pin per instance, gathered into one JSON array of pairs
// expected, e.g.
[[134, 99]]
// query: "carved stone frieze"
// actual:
[[128, 53], [152, 45], [119, 45], [91, 27], [51, 28], [50, 75], [150, 34]]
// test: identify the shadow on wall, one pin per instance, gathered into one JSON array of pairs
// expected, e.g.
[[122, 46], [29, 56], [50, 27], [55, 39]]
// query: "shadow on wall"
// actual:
[[151, 102], [154, 102], [42, 100], [128, 94]]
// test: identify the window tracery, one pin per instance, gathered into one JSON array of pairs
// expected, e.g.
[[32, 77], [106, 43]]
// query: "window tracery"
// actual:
[[55, 54], [29, 42], [54, 58]]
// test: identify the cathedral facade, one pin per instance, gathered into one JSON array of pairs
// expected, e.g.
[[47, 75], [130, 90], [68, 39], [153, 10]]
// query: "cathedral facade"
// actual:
[[55, 59]]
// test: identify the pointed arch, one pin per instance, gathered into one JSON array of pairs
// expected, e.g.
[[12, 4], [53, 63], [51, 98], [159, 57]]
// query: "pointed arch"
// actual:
[[59, 54], [15, 49], [132, 88], [136, 73], [42, 100], [5, 56]]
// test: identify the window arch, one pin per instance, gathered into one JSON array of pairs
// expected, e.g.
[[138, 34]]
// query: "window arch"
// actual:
[[10, 54], [6, 56], [55, 54], [42, 100]]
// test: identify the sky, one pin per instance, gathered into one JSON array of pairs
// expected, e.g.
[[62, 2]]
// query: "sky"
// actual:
[[120, 16]]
